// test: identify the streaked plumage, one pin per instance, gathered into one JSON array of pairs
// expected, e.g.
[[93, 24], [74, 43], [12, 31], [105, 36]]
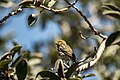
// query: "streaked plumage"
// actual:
[[65, 50]]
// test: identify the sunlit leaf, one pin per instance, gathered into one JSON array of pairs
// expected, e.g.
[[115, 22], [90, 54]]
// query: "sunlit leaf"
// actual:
[[51, 3], [48, 74], [115, 14], [32, 19], [88, 75], [14, 43], [71, 70], [4, 64], [113, 39], [26, 4], [74, 79], [15, 49], [6, 56], [10, 55], [21, 70], [111, 7], [106, 7]]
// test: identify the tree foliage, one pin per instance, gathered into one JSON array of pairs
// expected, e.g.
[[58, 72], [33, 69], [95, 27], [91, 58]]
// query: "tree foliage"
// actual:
[[79, 28]]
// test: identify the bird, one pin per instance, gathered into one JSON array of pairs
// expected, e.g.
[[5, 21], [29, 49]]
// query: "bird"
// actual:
[[65, 52]]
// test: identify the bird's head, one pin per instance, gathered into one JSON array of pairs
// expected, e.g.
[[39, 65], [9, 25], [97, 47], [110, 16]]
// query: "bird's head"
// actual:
[[60, 42]]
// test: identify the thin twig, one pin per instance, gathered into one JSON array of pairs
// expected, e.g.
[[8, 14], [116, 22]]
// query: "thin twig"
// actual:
[[15, 12], [58, 10], [87, 21], [42, 6]]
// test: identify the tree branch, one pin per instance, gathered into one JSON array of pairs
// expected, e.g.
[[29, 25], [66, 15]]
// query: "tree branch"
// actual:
[[91, 63], [87, 21], [58, 10], [15, 12], [41, 6]]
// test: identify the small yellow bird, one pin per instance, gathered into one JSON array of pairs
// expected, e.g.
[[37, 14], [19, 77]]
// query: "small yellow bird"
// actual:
[[65, 51]]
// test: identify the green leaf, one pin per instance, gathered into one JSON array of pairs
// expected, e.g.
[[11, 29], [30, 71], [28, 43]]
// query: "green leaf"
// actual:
[[113, 39], [15, 49], [51, 3], [111, 7], [14, 43], [4, 64], [48, 74], [6, 56], [74, 79], [26, 4], [106, 7], [10, 55], [61, 69], [88, 75], [115, 14], [21, 70], [71, 69], [32, 19]]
